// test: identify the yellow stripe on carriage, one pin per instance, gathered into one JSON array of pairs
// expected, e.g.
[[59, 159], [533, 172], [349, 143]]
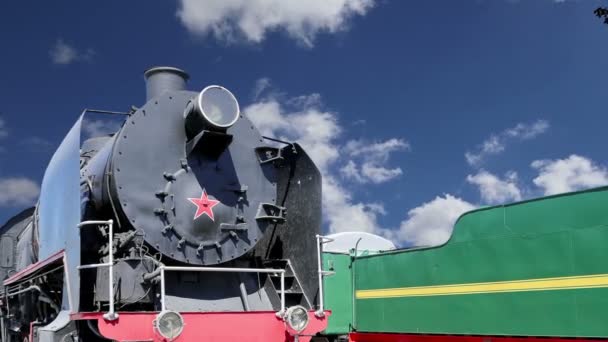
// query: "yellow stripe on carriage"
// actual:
[[543, 284]]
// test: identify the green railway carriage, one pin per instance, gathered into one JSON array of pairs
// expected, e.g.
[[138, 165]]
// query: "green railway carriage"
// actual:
[[340, 298], [337, 258], [537, 268]]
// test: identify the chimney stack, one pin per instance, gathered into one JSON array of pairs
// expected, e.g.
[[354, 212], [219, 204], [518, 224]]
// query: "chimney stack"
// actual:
[[163, 79]]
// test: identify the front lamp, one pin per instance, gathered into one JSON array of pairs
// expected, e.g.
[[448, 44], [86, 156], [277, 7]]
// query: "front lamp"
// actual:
[[218, 106], [169, 324], [296, 318]]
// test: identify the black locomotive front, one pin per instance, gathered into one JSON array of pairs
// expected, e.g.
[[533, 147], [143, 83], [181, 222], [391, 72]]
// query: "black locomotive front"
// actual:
[[187, 181], [189, 178]]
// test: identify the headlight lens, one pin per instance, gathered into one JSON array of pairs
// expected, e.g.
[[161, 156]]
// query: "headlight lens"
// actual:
[[218, 106], [297, 318], [169, 324]]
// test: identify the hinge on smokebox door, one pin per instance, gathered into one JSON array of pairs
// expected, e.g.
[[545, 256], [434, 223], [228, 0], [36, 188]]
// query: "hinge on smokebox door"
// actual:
[[240, 225], [271, 212]]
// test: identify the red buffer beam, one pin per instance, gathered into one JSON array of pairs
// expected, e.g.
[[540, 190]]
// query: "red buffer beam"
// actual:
[[376, 337]]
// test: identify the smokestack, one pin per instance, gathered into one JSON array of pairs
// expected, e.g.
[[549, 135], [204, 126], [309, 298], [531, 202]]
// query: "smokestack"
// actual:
[[162, 79]]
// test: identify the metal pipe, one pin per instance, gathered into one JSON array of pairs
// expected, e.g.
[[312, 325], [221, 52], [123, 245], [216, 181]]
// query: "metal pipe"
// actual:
[[111, 315], [282, 292], [321, 311], [162, 288], [27, 289], [8, 314], [320, 241], [223, 269], [67, 281], [84, 267], [88, 223], [44, 298], [152, 275], [243, 293], [352, 282]]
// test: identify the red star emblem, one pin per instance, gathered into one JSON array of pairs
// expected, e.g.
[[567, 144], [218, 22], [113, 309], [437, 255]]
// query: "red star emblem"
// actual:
[[204, 205]]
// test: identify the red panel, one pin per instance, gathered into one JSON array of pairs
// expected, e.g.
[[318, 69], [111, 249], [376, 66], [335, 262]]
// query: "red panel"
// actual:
[[34, 267], [208, 327], [370, 337]]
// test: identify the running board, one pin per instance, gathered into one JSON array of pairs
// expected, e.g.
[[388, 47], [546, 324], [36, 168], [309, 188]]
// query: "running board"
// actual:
[[35, 268]]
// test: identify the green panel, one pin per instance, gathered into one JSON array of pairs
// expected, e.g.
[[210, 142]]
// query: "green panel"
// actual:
[[338, 293], [548, 313], [554, 237]]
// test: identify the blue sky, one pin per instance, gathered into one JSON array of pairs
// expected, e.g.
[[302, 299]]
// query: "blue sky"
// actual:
[[390, 96]]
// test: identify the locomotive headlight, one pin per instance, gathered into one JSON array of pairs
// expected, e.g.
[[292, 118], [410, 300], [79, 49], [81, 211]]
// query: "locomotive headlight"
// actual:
[[169, 324], [297, 318], [218, 106]]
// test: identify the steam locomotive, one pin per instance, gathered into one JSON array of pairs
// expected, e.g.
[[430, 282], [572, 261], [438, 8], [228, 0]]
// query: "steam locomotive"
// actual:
[[186, 224]]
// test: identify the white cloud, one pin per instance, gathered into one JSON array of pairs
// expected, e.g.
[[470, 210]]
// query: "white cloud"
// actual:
[[232, 20], [377, 150], [431, 223], [345, 214], [302, 119], [97, 128], [497, 143], [379, 174], [3, 130], [351, 171], [63, 54], [494, 190], [569, 174], [18, 191], [528, 131], [368, 163], [260, 86]]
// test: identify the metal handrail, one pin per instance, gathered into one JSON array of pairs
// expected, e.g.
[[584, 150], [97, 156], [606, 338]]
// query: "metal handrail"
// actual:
[[111, 314], [320, 241]]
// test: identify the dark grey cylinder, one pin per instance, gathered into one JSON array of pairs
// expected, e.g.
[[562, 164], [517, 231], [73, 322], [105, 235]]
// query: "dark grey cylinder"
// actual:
[[163, 79]]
